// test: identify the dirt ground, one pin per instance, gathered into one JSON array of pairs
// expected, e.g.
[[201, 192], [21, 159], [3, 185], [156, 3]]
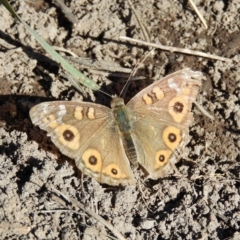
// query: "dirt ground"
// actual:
[[41, 191]]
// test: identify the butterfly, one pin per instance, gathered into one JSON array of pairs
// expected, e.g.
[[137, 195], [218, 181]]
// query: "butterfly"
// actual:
[[106, 142]]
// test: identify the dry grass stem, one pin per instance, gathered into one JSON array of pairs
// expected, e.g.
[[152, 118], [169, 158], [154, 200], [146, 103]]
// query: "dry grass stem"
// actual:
[[198, 13], [175, 49]]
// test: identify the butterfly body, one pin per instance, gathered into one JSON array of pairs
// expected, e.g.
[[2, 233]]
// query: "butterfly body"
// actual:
[[146, 131], [123, 121]]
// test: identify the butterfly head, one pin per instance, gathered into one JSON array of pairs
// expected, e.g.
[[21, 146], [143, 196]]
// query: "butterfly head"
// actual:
[[117, 102]]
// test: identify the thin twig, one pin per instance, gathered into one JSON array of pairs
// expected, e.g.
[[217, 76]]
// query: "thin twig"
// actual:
[[59, 210], [61, 49], [67, 11], [175, 49], [198, 13], [91, 213], [100, 219], [141, 24], [206, 113], [14, 228], [99, 64]]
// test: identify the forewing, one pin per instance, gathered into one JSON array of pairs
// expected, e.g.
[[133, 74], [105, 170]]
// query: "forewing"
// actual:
[[161, 115], [86, 133]]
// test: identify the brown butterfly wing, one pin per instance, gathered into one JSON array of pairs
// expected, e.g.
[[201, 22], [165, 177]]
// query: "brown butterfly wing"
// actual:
[[161, 115], [86, 132]]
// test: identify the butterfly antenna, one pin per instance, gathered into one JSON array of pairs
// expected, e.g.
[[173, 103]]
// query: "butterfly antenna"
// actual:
[[125, 88], [133, 73], [105, 93]]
